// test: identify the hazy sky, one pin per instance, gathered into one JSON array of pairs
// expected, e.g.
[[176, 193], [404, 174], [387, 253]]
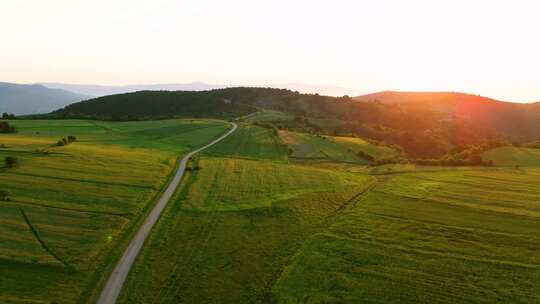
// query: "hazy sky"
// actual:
[[485, 47]]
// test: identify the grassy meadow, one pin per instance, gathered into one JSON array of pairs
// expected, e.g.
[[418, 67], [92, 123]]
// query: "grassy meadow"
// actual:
[[232, 229], [513, 156], [248, 226], [245, 228], [251, 142], [431, 237], [331, 148], [70, 206]]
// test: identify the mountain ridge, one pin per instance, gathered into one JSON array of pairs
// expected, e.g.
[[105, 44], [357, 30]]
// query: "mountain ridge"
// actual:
[[23, 99]]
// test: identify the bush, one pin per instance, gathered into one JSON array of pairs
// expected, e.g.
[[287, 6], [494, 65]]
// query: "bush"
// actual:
[[5, 127], [66, 141], [364, 155], [4, 195], [10, 161], [390, 160]]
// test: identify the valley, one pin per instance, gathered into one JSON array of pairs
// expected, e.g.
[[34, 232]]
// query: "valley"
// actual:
[[276, 212]]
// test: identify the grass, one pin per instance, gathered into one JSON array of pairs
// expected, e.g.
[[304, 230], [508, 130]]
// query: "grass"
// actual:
[[250, 227], [513, 156], [69, 206], [330, 148], [233, 228], [431, 237], [251, 142], [267, 116]]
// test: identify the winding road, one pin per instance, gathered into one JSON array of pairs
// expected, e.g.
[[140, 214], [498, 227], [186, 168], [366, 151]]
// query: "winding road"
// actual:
[[112, 289]]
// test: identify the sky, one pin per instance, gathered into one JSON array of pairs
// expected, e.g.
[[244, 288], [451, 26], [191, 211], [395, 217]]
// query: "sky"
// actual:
[[491, 48]]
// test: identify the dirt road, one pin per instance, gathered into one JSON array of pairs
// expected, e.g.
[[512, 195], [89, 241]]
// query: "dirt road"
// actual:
[[112, 289]]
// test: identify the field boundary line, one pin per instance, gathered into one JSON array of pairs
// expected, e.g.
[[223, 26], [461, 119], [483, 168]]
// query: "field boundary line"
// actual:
[[40, 240], [115, 282], [325, 223], [40, 205]]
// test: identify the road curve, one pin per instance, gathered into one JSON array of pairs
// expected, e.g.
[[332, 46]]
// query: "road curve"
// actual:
[[112, 289]]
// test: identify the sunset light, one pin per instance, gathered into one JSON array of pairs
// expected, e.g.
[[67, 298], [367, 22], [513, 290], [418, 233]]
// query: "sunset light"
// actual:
[[483, 47]]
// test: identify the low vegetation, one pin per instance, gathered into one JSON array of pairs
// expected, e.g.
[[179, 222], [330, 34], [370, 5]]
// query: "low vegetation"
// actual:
[[251, 142], [10, 161], [270, 214], [6, 127], [234, 227], [305, 146], [450, 236], [60, 232]]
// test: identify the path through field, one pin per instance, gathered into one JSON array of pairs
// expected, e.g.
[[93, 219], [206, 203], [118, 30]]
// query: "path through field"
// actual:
[[115, 282]]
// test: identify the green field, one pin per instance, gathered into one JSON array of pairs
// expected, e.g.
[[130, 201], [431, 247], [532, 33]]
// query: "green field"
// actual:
[[513, 156], [269, 116], [247, 231], [70, 206], [234, 227], [330, 148], [433, 237], [248, 226], [251, 142]]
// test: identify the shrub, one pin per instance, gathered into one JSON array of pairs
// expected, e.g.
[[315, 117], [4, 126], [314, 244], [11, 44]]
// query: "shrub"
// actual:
[[10, 161], [5, 127], [66, 141], [4, 195], [390, 160], [364, 155]]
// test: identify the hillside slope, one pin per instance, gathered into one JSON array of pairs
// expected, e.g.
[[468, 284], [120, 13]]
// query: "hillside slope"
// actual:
[[512, 119], [425, 125], [22, 99]]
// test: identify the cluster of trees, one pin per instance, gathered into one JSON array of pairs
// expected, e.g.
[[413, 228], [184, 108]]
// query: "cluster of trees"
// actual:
[[470, 156], [66, 141], [5, 127], [6, 115]]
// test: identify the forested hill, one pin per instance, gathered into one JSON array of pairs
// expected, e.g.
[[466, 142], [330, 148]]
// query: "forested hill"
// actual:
[[421, 130], [230, 102]]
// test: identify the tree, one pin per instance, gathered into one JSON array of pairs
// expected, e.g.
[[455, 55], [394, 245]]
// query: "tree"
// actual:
[[10, 161], [6, 115]]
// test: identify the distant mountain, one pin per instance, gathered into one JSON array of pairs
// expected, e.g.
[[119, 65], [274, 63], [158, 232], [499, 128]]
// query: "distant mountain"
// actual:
[[104, 90], [21, 99], [507, 118]]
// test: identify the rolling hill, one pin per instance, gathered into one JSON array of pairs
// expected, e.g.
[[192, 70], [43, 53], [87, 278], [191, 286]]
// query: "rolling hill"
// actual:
[[425, 125], [23, 99], [507, 118]]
